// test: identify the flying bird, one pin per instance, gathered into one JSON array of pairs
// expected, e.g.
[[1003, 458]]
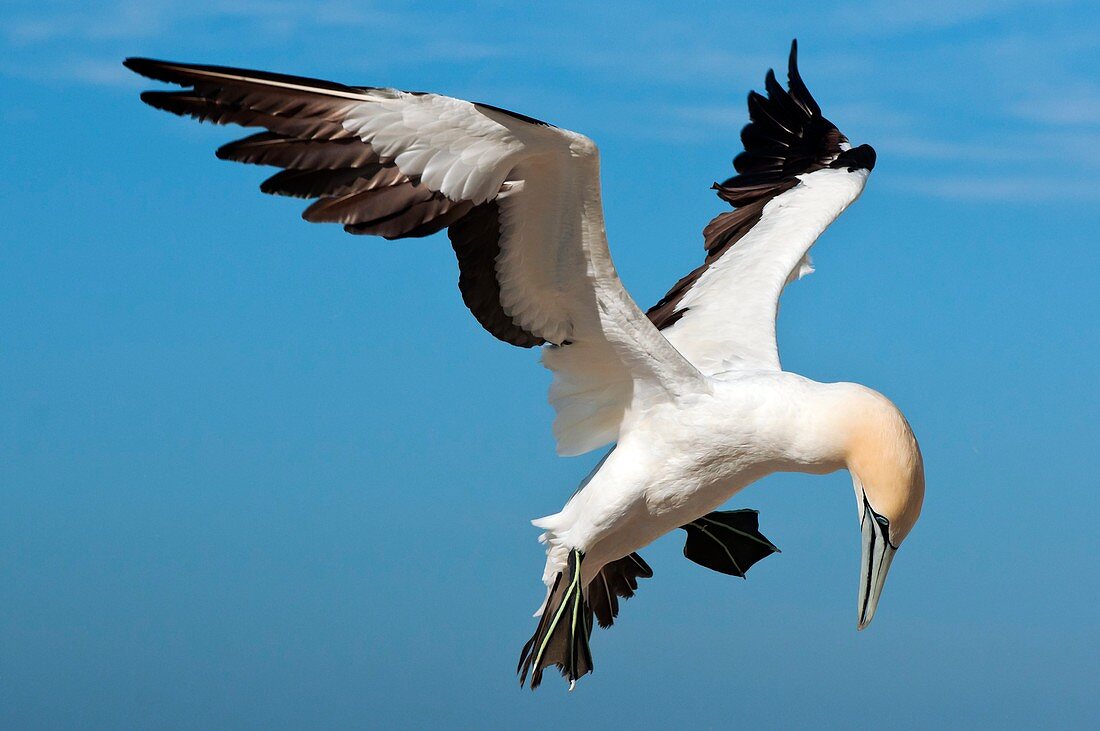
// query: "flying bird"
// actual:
[[690, 394]]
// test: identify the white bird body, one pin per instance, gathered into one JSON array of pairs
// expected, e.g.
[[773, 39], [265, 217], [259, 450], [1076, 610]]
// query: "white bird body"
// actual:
[[691, 392], [684, 456], [684, 459]]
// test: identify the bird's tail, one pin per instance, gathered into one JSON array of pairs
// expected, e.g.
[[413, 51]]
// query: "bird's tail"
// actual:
[[564, 628]]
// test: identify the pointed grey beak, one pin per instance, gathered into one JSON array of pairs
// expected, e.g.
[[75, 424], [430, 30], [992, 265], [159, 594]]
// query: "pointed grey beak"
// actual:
[[878, 553]]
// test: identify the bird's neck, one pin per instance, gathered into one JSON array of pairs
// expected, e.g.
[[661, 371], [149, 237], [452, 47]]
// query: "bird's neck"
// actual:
[[864, 432], [848, 426]]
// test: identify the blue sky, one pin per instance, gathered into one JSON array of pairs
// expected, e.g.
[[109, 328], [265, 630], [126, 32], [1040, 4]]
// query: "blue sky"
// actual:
[[256, 473]]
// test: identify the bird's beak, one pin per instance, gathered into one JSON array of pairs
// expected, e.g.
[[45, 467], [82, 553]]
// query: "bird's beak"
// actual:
[[875, 562]]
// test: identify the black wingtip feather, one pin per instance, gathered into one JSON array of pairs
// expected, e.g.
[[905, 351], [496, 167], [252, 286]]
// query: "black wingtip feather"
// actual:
[[187, 74], [138, 65], [181, 103], [786, 135], [785, 138], [799, 93], [156, 70]]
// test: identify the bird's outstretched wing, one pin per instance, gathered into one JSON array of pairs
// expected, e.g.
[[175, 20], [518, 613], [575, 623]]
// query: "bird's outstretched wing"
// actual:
[[520, 200], [791, 183]]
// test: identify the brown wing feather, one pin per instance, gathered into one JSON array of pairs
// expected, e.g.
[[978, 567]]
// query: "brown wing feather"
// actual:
[[476, 241], [269, 148], [321, 160]]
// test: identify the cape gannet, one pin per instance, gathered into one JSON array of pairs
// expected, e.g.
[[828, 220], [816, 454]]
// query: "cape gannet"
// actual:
[[691, 393]]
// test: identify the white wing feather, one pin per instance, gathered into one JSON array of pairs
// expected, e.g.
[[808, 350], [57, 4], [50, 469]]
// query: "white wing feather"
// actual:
[[554, 272], [456, 148], [731, 311], [556, 276]]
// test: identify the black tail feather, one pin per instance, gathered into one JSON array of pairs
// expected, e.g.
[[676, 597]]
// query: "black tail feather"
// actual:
[[727, 541], [561, 637], [616, 579]]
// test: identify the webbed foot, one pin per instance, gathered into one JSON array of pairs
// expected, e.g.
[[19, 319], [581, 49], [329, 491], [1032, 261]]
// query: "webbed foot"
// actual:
[[727, 541]]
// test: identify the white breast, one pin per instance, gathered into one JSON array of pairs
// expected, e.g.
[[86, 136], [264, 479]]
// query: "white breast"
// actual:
[[685, 459]]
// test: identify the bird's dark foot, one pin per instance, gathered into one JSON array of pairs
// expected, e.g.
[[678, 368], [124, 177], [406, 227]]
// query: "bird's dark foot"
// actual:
[[727, 541], [561, 637]]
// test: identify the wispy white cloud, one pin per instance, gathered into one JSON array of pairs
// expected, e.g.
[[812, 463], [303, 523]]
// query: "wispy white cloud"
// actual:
[[112, 29], [665, 63], [872, 115], [78, 70], [97, 72], [998, 95], [894, 16], [983, 151], [722, 116], [1076, 104], [1082, 146], [105, 22], [1013, 188], [129, 20], [457, 50]]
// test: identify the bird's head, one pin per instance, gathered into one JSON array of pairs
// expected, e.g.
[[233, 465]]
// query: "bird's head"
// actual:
[[888, 475]]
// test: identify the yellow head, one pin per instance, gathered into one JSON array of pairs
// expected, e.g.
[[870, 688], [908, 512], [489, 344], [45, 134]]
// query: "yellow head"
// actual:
[[888, 475]]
